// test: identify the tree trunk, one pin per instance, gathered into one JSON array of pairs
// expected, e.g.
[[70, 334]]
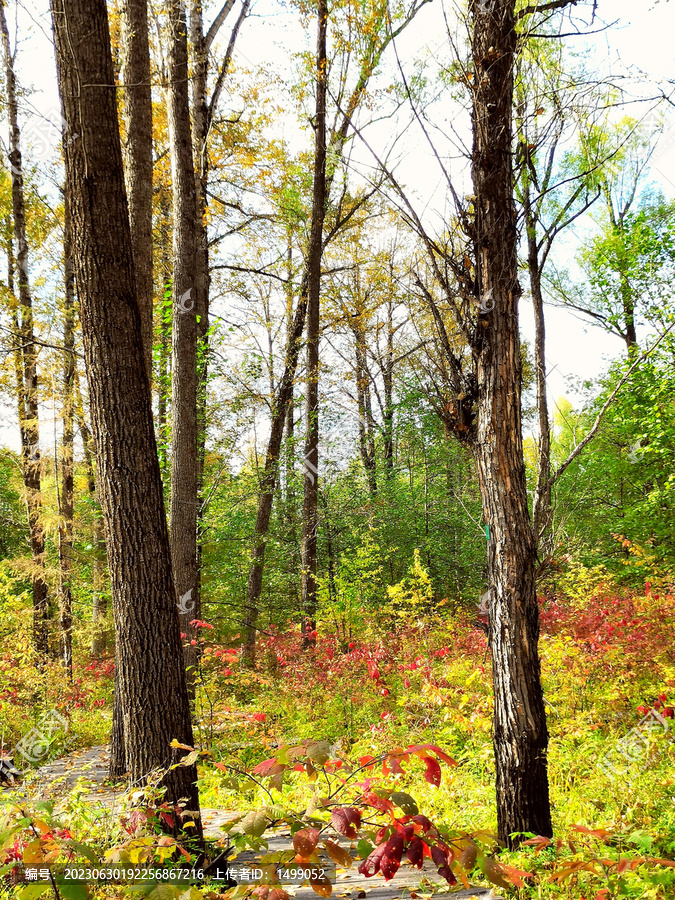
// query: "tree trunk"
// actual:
[[541, 504], [388, 380], [100, 603], [628, 304], [187, 299], [284, 393], [290, 498], [366, 429], [28, 401], [520, 734], [137, 97], [153, 690], [163, 386], [269, 479], [310, 519], [200, 125], [68, 416]]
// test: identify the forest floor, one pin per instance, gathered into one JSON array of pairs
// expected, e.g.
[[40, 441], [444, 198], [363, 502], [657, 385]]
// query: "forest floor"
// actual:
[[85, 772], [410, 689]]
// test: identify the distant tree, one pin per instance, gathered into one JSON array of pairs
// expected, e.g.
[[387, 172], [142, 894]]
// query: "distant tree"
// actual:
[[67, 495], [26, 358]]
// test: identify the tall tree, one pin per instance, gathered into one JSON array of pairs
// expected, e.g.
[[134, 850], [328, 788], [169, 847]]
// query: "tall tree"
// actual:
[[149, 660], [483, 409], [551, 198], [67, 498], [138, 170], [203, 115], [520, 736], [137, 97], [310, 518], [28, 390], [188, 296], [375, 35]]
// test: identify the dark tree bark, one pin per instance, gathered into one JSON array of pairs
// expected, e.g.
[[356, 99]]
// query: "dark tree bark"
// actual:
[[67, 500], [28, 392], [310, 518], [293, 584], [153, 689], [200, 128], [137, 97], [520, 733], [188, 297]]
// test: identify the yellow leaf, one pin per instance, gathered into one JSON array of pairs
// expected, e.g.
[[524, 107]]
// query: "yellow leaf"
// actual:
[[338, 854], [321, 886]]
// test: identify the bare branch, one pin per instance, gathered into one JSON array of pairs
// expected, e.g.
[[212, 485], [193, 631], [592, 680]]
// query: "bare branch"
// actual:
[[217, 22], [220, 80], [545, 7]]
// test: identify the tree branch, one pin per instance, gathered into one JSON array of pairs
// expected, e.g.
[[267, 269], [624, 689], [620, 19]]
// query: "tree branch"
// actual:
[[591, 434], [220, 80], [217, 22], [545, 7]]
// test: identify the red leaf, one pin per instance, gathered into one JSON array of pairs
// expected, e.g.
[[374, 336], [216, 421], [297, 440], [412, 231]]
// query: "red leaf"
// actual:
[[415, 852], [376, 802], [372, 862], [305, 841], [433, 772], [167, 819], [423, 822], [267, 767], [395, 765], [391, 858], [422, 751], [442, 755], [346, 821], [441, 856]]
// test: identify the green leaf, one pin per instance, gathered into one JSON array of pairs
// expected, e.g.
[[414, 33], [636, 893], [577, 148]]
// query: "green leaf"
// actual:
[[86, 851], [405, 802], [255, 823], [45, 805], [31, 891], [364, 848], [74, 891]]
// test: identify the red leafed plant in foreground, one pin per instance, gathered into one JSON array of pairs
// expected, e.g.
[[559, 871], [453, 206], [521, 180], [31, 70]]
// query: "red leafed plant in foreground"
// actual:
[[352, 802]]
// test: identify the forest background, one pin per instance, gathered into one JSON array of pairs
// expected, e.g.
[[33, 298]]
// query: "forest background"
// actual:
[[372, 636]]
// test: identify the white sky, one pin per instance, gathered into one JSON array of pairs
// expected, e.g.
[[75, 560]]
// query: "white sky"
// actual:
[[641, 43]]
